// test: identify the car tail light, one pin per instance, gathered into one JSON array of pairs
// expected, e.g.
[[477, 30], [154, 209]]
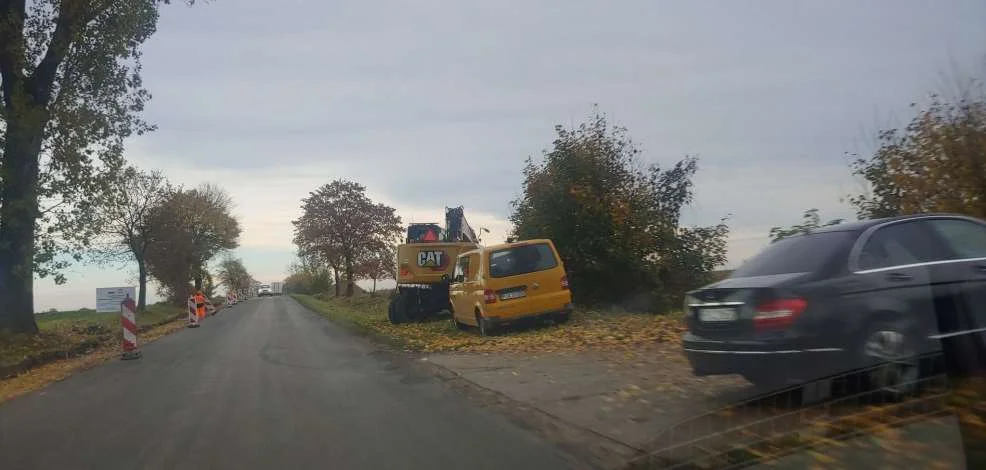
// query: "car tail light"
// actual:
[[564, 282], [778, 313], [489, 296], [405, 272]]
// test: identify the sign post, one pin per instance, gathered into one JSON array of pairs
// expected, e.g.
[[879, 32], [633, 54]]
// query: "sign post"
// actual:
[[128, 317]]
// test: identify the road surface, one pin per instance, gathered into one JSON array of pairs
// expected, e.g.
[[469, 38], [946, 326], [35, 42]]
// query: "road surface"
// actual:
[[264, 385]]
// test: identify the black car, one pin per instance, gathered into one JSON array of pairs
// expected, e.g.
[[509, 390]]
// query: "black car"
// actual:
[[843, 297]]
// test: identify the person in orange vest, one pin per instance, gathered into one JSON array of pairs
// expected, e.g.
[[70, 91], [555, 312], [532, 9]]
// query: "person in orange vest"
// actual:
[[199, 304]]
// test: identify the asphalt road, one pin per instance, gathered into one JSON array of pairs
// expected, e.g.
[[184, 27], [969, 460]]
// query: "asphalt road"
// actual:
[[266, 384]]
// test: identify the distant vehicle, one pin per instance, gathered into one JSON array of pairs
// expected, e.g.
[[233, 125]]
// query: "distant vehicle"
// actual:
[[264, 291], [871, 293], [501, 284], [425, 261], [276, 288]]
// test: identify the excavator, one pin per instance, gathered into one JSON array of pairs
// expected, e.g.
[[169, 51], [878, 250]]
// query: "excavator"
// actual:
[[424, 264]]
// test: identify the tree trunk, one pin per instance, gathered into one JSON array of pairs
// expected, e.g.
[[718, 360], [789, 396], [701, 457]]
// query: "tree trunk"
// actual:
[[349, 278], [335, 274], [18, 215], [374, 292], [141, 285]]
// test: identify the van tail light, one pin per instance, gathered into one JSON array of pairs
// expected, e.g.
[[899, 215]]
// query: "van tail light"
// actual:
[[564, 282], [778, 313], [489, 296]]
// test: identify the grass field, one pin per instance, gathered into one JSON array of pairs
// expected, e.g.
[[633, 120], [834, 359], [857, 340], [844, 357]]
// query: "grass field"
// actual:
[[586, 329]]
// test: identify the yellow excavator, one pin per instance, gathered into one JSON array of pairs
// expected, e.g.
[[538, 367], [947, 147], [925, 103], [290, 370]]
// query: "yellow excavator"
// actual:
[[424, 264]]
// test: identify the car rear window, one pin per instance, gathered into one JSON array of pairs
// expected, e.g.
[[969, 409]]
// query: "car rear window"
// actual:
[[522, 260], [800, 254]]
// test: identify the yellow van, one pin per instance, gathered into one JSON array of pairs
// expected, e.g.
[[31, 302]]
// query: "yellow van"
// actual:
[[497, 285]]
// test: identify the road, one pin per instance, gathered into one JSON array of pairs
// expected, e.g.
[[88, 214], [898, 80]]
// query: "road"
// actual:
[[266, 384]]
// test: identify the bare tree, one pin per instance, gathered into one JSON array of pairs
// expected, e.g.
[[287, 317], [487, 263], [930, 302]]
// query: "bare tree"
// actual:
[[125, 222]]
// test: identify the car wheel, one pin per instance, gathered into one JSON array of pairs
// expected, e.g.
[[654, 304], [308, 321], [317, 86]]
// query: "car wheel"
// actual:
[[890, 359], [483, 325], [563, 317]]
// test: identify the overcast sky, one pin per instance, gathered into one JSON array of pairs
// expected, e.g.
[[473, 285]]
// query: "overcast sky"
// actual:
[[437, 103]]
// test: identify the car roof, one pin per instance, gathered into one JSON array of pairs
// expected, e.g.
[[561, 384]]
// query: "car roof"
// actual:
[[861, 225], [504, 246]]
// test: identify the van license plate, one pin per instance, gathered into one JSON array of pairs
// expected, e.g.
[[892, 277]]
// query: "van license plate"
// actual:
[[717, 314], [513, 295]]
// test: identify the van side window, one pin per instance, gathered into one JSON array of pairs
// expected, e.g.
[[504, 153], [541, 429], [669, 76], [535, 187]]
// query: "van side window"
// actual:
[[461, 268], [897, 245], [473, 265]]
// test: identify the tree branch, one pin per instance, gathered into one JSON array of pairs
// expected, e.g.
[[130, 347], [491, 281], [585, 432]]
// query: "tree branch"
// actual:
[[42, 80], [11, 48]]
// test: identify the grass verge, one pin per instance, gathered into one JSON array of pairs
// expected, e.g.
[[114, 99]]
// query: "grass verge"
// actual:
[[587, 329], [70, 340]]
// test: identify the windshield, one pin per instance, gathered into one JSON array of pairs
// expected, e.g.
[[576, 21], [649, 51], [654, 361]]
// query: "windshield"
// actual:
[[799, 254], [522, 260]]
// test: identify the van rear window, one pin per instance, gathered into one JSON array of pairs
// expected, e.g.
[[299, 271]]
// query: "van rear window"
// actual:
[[522, 260]]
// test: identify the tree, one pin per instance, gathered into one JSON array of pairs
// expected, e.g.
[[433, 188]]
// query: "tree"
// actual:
[[189, 229], [935, 164], [124, 220], [70, 93], [342, 225], [811, 221], [615, 222], [308, 275], [233, 274], [380, 264]]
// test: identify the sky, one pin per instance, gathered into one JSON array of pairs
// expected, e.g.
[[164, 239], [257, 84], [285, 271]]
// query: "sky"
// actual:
[[438, 103]]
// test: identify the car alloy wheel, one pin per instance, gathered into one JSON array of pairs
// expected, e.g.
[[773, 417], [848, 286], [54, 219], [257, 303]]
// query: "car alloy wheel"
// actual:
[[893, 367]]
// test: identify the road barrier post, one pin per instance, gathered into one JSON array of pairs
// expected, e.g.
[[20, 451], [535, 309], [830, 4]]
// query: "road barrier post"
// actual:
[[193, 315], [128, 317]]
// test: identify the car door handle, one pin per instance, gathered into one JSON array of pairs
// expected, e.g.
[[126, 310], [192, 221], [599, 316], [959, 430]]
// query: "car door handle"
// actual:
[[899, 277]]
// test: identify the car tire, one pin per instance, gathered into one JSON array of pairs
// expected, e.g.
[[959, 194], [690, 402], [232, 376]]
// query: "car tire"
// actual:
[[888, 352], [563, 317], [485, 329]]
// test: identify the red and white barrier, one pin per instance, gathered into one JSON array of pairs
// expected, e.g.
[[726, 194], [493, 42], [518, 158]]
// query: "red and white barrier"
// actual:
[[193, 315], [128, 317]]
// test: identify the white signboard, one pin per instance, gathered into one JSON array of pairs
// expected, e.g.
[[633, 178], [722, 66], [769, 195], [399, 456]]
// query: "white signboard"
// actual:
[[108, 298]]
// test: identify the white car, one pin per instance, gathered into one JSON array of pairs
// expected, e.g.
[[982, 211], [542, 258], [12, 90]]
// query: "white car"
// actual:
[[264, 290]]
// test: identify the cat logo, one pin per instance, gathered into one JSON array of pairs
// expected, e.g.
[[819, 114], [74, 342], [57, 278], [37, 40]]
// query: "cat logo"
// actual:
[[435, 259]]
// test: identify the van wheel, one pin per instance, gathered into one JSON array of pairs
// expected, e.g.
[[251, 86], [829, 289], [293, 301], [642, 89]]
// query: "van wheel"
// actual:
[[483, 325], [888, 353]]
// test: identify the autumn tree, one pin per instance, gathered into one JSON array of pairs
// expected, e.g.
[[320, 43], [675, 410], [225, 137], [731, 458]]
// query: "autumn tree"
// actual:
[[70, 94], [380, 264], [189, 229], [233, 274], [810, 221], [124, 221], [341, 224], [937, 163], [308, 275], [615, 221]]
